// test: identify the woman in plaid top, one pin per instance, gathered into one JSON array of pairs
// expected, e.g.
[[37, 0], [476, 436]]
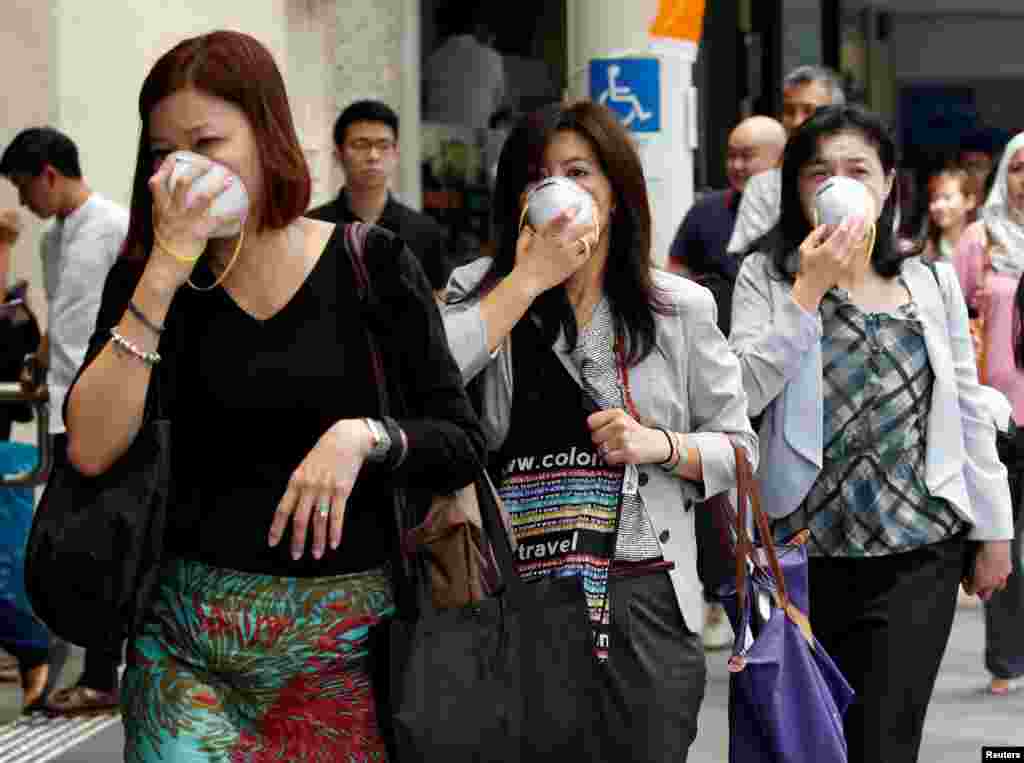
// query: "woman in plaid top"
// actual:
[[875, 436]]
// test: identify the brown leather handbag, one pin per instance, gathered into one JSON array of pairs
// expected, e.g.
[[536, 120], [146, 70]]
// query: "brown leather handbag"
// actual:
[[450, 545], [457, 561]]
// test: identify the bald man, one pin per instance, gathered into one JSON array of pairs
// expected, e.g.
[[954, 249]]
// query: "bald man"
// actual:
[[699, 249], [804, 90]]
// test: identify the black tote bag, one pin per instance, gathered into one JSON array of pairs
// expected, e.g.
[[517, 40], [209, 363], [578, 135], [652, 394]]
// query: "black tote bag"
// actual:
[[96, 544], [510, 678]]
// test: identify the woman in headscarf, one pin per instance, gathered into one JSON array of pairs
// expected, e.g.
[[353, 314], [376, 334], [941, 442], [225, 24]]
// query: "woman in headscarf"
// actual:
[[989, 263]]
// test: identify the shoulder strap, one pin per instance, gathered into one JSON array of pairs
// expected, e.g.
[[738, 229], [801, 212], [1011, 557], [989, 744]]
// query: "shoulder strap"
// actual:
[[355, 246], [356, 234]]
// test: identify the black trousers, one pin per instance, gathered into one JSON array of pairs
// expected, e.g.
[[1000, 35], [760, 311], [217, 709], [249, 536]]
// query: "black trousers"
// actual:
[[886, 622], [655, 674]]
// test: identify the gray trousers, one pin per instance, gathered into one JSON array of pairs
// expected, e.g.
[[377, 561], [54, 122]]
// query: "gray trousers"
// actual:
[[1004, 620], [655, 674]]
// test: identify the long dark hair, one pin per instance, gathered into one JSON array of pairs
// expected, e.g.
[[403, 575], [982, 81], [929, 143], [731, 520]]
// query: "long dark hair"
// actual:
[[633, 296], [801, 148]]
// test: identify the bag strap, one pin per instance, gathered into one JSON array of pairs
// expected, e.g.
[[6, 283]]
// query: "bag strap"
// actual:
[[356, 234], [749, 499]]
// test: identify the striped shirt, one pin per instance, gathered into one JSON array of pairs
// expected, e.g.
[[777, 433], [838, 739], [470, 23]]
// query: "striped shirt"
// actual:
[[594, 357]]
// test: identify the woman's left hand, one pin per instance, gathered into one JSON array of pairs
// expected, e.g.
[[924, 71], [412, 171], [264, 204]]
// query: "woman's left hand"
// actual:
[[324, 479], [991, 568], [621, 439]]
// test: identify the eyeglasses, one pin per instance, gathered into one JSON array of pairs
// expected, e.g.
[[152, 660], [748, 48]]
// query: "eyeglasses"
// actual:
[[365, 146]]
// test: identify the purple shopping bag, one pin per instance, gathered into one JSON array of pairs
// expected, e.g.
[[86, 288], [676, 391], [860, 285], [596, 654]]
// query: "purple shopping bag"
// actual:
[[786, 696]]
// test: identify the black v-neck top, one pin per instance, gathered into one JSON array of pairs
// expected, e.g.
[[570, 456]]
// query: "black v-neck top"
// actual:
[[249, 399]]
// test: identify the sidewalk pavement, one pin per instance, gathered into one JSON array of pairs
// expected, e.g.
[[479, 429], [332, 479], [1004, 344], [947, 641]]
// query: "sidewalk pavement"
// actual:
[[961, 719]]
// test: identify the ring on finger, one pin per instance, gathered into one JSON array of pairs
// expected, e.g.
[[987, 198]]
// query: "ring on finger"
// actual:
[[324, 508]]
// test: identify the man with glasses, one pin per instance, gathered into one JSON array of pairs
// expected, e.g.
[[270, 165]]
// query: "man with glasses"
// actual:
[[366, 147]]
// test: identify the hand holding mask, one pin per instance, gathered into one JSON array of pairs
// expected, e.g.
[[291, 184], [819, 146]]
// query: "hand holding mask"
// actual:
[[232, 202]]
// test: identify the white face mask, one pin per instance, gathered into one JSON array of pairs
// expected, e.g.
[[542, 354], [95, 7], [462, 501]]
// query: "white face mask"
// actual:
[[554, 195], [232, 202], [840, 197]]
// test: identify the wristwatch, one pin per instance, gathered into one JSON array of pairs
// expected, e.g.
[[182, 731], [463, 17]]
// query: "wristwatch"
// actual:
[[381, 441]]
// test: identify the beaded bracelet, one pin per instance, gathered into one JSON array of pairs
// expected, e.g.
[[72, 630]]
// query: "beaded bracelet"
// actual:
[[149, 358]]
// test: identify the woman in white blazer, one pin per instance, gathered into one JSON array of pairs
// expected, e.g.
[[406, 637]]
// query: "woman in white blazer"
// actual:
[[569, 319], [874, 435]]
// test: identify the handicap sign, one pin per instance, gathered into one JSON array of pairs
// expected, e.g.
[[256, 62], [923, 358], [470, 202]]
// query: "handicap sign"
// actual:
[[631, 88]]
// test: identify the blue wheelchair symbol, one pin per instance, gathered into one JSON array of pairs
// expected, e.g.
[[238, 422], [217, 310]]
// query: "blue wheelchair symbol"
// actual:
[[630, 87]]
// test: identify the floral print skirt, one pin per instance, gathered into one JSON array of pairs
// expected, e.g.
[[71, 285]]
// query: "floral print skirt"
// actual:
[[244, 668]]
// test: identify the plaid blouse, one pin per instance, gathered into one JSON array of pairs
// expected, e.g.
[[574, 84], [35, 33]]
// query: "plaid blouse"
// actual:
[[870, 498]]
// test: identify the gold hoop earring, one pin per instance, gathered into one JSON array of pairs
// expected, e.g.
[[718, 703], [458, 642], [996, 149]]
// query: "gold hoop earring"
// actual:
[[522, 217], [873, 235]]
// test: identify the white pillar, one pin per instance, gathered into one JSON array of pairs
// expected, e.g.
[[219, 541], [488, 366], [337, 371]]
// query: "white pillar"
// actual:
[[614, 29], [377, 56]]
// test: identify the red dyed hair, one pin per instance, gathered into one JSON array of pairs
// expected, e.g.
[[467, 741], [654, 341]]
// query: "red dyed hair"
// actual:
[[237, 68]]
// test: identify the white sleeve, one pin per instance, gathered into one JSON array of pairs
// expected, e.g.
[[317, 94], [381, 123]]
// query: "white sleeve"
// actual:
[[758, 211], [83, 270]]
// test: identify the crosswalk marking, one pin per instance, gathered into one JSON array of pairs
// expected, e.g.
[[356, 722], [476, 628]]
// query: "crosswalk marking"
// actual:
[[37, 738]]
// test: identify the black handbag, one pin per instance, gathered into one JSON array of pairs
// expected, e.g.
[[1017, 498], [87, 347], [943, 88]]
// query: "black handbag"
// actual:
[[94, 552], [509, 678]]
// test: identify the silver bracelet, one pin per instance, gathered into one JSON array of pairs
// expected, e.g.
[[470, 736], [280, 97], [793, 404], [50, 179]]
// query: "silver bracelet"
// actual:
[[149, 358]]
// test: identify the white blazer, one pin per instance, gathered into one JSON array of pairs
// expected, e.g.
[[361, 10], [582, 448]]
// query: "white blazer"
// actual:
[[779, 346], [693, 385]]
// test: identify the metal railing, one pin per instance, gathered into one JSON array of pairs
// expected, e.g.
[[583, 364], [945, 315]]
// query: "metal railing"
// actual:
[[36, 394]]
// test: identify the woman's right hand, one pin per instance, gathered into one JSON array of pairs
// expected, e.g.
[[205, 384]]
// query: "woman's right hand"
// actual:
[[548, 256], [826, 255], [182, 229]]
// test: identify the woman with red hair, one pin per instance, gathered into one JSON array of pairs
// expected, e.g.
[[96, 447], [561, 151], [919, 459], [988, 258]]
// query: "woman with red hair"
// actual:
[[254, 649]]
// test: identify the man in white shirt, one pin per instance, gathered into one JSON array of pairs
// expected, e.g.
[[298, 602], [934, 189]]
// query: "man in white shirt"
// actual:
[[464, 79], [78, 251], [804, 91]]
